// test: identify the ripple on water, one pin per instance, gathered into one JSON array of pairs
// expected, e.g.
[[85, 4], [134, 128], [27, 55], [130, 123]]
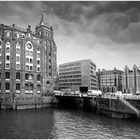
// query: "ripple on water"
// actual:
[[64, 124]]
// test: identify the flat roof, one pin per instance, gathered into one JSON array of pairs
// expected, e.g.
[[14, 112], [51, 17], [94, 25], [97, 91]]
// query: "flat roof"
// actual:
[[78, 61]]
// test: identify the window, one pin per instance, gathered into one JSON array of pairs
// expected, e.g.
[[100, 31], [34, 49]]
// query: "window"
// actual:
[[17, 86], [0, 75], [27, 67], [49, 53], [31, 67], [49, 74], [17, 75], [17, 50], [47, 82], [38, 68], [38, 62], [7, 50], [38, 87], [49, 67], [7, 75], [7, 57], [38, 55], [27, 60], [31, 61], [26, 86], [27, 53], [30, 77], [38, 78], [7, 86], [18, 66], [29, 45], [38, 49], [18, 58], [0, 50], [0, 86], [17, 34], [31, 53], [8, 34], [26, 76], [49, 60], [31, 86], [7, 65]]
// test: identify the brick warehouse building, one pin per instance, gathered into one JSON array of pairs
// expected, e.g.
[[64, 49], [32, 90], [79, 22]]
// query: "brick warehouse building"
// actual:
[[27, 63]]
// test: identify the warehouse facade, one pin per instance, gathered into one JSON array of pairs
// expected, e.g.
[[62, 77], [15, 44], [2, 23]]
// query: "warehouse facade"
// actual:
[[27, 63]]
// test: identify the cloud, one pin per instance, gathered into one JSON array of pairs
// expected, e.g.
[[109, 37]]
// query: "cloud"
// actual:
[[84, 29]]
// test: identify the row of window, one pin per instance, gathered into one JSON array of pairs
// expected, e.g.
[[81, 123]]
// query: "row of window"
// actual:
[[70, 80], [70, 65], [69, 84], [27, 76], [70, 69], [73, 72], [70, 76], [93, 80], [27, 86], [30, 68]]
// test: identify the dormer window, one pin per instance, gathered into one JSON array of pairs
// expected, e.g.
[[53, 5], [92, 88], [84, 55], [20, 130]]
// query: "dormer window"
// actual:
[[8, 34]]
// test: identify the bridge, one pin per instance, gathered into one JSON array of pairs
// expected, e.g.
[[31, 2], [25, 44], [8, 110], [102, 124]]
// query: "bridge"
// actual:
[[83, 100], [112, 106]]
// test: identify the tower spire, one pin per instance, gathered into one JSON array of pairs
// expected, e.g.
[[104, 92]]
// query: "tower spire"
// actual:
[[43, 20]]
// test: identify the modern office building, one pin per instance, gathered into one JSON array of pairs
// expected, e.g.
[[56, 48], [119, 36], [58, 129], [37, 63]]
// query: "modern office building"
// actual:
[[78, 73], [131, 80], [27, 62], [109, 80]]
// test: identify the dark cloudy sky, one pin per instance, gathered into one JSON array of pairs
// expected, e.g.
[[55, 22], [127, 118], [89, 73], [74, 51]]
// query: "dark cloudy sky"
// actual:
[[106, 32]]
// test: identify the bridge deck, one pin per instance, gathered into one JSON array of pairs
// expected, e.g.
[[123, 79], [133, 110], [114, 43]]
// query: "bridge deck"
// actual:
[[74, 96]]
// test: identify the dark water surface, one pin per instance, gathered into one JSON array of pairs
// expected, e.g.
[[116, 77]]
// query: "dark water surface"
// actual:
[[64, 123]]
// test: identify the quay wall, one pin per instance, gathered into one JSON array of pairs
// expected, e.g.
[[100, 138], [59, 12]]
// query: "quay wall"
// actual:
[[31, 103], [115, 108], [134, 102]]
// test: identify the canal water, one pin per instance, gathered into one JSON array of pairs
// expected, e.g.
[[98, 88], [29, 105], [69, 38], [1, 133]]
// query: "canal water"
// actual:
[[64, 123]]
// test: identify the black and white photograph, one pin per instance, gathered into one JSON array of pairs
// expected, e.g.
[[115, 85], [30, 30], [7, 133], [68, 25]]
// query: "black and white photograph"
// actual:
[[69, 69]]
